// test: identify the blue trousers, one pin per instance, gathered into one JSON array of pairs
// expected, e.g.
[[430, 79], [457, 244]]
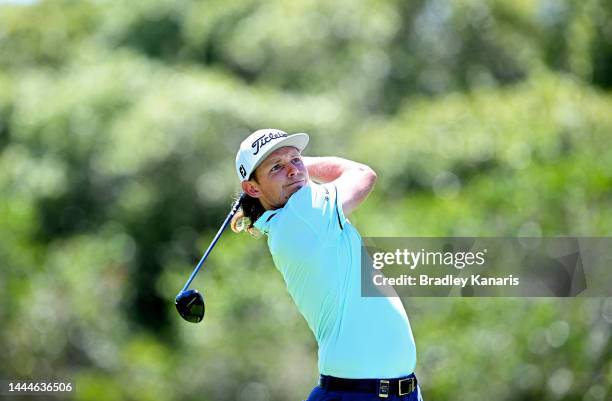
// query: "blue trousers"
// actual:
[[318, 394]]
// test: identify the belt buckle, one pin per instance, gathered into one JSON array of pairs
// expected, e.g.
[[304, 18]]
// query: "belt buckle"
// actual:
[[410, 386], [383, 388]]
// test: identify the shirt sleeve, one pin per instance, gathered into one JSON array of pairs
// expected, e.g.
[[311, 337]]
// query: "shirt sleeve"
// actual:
[[319, 208]]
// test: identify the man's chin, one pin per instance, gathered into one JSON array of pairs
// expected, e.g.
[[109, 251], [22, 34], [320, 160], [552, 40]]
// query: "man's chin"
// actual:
[[294, 188]]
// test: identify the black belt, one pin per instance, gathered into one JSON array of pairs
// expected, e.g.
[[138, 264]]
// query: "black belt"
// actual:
[[382, 387]]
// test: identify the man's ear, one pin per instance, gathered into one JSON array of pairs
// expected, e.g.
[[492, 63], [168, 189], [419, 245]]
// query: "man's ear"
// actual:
[[250, 188]]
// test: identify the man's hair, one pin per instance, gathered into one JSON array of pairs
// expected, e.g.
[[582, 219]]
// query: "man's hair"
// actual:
[[250, 210]]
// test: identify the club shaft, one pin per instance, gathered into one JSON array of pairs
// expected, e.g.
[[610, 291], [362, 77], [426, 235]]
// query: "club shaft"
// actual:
[[231, 214]]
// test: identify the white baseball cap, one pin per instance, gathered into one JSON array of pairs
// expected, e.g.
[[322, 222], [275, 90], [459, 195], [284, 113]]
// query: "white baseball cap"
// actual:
[[257, 146]]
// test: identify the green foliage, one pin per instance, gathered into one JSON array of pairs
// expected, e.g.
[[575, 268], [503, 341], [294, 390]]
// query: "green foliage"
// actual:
[[45, 34], [119, 122]]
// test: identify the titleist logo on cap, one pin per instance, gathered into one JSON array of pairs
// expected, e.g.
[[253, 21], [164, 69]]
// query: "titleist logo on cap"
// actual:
[[265, 139]]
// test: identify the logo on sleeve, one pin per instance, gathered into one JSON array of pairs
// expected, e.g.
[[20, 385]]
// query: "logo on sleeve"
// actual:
[[265, 139]]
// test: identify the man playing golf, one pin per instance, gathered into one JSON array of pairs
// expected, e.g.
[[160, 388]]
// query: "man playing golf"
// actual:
[[366, 347]]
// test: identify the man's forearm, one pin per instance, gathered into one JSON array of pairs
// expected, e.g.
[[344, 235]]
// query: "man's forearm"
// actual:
[[327, 169], [353, 180]]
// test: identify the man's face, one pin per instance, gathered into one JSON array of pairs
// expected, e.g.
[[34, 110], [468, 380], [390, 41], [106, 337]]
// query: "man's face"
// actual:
[[278, 177]]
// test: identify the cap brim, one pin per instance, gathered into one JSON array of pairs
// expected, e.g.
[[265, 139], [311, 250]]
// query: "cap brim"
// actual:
[[299, 141]]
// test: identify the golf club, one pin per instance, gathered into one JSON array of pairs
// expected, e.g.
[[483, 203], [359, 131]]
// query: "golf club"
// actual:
[[190, 303]]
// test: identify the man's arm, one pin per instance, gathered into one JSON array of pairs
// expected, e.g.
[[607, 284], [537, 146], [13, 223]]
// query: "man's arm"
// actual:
[[354, 180]]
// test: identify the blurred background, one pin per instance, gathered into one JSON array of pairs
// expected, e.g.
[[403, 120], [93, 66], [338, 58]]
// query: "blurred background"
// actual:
[[119, 123]]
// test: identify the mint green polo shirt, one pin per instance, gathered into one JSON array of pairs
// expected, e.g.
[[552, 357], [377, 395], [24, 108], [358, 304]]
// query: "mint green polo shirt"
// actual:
[[318, 252]]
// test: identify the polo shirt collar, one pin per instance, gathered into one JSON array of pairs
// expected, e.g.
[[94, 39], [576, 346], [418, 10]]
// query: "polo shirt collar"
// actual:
[[263, 222]]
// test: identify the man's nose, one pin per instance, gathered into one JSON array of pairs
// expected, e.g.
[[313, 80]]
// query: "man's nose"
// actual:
[[292, 170]]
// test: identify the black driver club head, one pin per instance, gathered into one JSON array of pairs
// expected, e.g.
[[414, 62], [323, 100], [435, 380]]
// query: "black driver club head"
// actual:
[[190, 305]]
